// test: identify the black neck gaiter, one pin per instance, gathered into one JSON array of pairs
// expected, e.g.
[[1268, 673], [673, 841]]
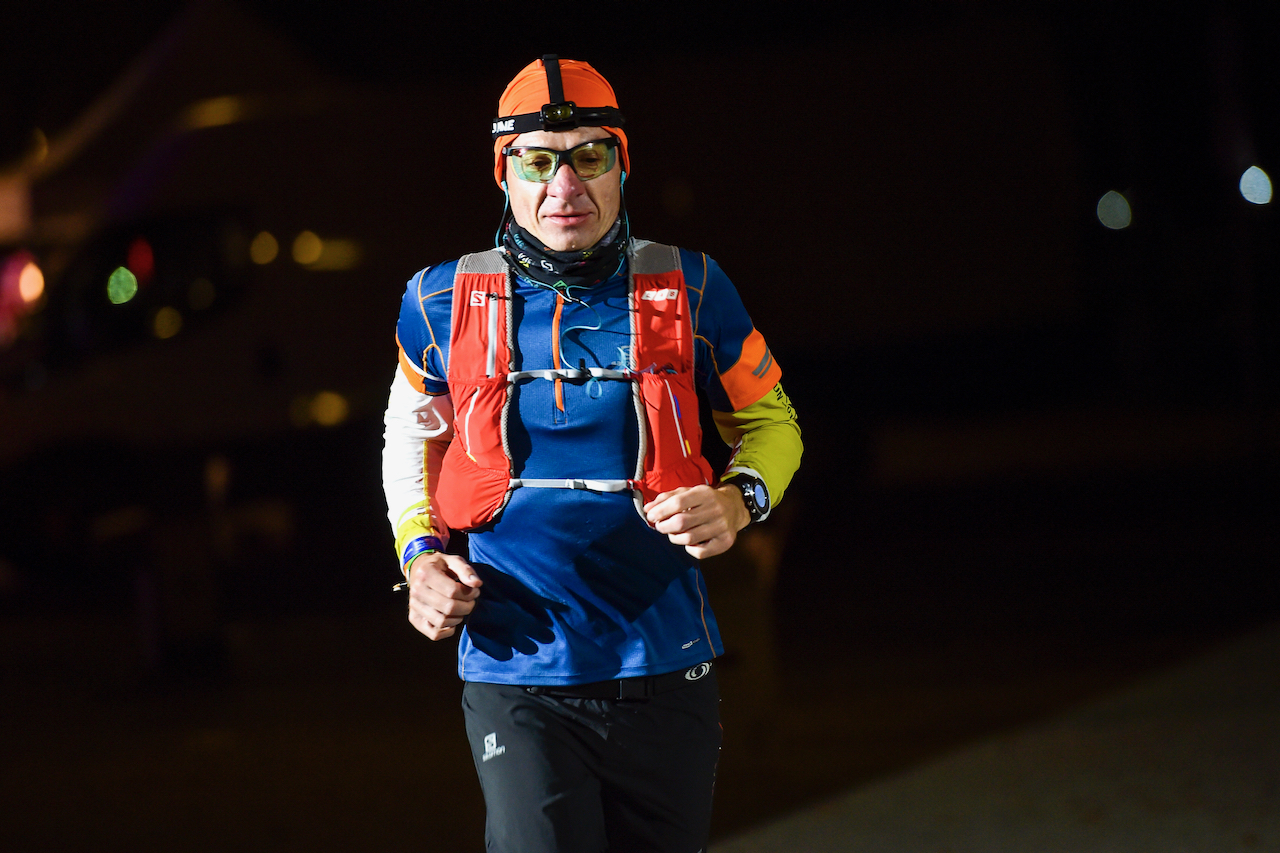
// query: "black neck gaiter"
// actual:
[[529, 257]]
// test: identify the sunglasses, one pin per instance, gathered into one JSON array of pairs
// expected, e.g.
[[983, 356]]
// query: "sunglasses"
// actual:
[[589, 160]]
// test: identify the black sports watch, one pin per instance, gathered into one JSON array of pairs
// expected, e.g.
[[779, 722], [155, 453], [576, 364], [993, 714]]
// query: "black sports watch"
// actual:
[[754, 494]]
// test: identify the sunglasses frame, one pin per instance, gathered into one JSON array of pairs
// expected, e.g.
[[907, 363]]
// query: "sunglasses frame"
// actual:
[[564, 156]]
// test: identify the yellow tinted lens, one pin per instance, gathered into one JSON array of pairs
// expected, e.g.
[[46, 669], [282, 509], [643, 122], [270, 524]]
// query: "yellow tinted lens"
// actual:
[[535, 164], [593, 159]]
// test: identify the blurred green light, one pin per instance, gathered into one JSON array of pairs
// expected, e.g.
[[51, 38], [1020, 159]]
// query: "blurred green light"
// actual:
[[1114, 211], [122, 286]]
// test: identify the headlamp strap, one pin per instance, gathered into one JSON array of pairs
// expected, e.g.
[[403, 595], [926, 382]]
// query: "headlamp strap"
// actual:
[[555, 88]]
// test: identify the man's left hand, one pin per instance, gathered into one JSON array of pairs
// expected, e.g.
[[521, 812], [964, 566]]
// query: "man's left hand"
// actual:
[[705, 520]]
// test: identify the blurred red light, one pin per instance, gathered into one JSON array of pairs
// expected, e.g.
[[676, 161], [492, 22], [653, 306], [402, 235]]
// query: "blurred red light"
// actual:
[[141, 260]]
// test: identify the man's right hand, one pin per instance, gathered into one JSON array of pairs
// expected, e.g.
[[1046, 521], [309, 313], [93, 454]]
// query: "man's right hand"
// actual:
[[443, 589]]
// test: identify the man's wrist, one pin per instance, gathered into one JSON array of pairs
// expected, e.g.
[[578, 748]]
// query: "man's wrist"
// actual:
[[417, 547], [754, 492]]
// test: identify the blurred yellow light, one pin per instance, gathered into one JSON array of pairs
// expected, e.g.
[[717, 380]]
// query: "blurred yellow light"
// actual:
[[307, 248], [214, 112], [329, 408], [40, 146], [264, 248], [337, 254], [166, 323], [30, 283], [121, 286], [200, 294]]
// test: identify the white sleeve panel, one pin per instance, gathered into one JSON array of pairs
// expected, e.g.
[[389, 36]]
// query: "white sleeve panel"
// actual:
[[412, 420]]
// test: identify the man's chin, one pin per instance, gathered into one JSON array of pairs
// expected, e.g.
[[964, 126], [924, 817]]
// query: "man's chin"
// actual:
[[570, 238], [568, 242]]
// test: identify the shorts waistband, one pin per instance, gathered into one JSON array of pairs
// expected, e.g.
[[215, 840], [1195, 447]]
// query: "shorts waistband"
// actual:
[[640, 687]]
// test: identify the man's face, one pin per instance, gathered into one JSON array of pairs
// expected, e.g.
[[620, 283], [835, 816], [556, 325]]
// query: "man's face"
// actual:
[[568, 213]]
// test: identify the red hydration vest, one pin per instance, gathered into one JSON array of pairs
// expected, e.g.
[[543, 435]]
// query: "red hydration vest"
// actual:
[[476, 480]]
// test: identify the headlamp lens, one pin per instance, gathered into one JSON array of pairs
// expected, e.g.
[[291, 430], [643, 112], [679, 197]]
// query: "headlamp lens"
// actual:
[[589, 160], [557, 113]]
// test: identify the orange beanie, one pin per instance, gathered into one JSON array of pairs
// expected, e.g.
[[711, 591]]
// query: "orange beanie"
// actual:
[[528, 93]]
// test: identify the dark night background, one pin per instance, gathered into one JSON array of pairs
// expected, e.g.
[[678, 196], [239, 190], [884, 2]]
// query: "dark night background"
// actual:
[[1041, 455]]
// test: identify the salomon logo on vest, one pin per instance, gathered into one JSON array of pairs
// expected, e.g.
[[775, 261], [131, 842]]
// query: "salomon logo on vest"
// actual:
[[660, 295]]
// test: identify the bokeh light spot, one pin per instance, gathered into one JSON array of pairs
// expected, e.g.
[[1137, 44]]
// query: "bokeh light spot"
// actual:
[[329, 408], [307, 248], [40, 146], [141, 260], [1114, 211], [121, 286], [166, 323], [201, 293], [30, 283], [215, 112], [21, 286], [337, 254], [1255, 186], [264, 248]]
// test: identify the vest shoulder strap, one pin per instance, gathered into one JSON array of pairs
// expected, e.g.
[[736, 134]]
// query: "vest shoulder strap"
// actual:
[[487, 262], [481, 314], [653, 258]]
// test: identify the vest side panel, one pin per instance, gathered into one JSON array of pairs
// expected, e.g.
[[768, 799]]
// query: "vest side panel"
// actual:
[[663, 323], [475, 476], [663, 329]]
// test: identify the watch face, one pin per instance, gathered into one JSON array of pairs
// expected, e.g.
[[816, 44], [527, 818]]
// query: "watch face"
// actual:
[[756, 497]]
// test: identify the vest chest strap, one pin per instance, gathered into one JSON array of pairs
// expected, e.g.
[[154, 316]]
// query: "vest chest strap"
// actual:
[[584, 485], [571, 374]]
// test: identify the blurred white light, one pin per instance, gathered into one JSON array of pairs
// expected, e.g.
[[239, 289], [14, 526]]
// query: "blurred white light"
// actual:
[[1114, 211], [1255, 186]]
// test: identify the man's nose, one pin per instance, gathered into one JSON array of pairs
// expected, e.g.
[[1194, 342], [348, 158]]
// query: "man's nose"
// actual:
[[565, 182]]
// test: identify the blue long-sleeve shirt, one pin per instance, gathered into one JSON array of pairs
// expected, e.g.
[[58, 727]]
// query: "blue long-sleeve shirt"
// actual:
[[577, 586]]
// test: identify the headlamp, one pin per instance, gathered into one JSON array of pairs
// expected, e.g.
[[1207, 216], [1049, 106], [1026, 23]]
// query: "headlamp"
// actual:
[[557, 114]]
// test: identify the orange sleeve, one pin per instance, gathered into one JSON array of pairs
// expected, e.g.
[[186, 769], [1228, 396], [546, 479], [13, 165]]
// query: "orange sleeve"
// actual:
[[754, 374]]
